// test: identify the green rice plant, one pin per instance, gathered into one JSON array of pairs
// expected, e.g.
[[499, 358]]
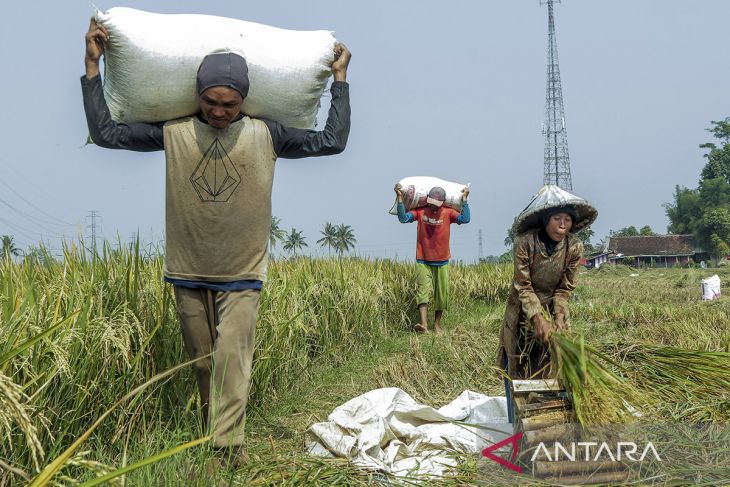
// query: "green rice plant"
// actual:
[[116, 474], [80, 331], [67, 346], [46, 475], [120, 329], [15, 412], [483, 282], [334, 307]]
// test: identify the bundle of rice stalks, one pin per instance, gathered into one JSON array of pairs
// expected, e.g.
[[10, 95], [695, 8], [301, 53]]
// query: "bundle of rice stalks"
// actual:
[[691, 385], [600, 394], [663, 382]]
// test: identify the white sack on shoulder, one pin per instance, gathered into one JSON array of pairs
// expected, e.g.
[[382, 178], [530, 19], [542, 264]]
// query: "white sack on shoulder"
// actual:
[[151, 62], [416, 188]]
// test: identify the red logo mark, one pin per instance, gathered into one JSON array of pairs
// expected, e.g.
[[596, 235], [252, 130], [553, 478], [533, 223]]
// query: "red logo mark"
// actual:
[[514, 440]]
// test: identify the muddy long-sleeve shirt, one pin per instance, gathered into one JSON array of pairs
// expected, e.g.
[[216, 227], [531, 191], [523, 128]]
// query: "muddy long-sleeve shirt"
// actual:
[[541, 281], [213, 245]]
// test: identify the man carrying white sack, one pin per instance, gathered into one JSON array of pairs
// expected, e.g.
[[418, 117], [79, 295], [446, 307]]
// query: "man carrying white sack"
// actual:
[[220, 168], [432, 250]]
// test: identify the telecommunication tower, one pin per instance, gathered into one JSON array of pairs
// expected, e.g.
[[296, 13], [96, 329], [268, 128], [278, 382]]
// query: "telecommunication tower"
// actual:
[[557, 159]]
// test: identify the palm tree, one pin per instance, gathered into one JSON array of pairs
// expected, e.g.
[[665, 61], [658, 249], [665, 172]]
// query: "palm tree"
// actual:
[[9, 249], [510, 238], [38, 254], [345, 238], [294, 241], [277, 233], [329, 237]]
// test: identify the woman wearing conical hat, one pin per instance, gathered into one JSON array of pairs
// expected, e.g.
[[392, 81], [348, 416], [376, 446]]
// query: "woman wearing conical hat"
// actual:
[[546, 259]]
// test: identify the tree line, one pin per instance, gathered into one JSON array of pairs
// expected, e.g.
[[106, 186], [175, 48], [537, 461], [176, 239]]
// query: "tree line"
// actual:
[[705, 211], [340, 238]]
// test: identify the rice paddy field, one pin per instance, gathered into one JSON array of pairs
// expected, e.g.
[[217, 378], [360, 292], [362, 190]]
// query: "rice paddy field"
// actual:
[[91, 378]]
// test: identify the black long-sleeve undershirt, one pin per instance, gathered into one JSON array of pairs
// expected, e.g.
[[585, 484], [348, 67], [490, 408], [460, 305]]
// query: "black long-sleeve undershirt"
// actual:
[[289, 143]]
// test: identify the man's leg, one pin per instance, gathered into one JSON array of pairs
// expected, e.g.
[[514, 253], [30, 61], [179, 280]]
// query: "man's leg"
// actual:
[[196, 309], [422, 326], [441, 294], [232, 362], [424, 282]]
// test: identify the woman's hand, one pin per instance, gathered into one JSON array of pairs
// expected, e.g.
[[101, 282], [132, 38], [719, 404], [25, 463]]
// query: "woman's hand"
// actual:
[[542, 327], [560, 322]]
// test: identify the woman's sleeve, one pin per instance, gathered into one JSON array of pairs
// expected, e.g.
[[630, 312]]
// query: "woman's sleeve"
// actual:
[[568, 281], [522, 282]]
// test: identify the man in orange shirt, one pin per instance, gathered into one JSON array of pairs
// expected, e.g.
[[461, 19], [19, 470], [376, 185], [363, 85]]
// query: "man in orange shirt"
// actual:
[[432, 250]]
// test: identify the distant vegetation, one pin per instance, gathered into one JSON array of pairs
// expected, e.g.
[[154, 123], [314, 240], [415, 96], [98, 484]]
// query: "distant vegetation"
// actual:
[[631, 231], [705, 210]]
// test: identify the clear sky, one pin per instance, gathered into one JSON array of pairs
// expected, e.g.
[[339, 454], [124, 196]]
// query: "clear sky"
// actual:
[[448, 89]]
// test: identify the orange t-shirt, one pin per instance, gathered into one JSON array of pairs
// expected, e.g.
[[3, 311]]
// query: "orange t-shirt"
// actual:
[[434, 231]]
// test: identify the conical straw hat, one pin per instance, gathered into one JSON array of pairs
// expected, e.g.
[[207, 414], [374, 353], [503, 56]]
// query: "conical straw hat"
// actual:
[[551, 196]]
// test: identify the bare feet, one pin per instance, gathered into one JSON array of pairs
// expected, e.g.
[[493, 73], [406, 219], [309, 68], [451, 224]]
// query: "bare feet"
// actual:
[[437, 321], [231, 458], [240, 458]]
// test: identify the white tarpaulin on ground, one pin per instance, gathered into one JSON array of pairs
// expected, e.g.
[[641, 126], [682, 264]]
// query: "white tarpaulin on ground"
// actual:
[[151, 62], [388, 431], [711, 288]]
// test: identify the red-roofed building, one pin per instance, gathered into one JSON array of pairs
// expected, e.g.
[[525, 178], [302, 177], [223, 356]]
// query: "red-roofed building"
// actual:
[[654, 251]]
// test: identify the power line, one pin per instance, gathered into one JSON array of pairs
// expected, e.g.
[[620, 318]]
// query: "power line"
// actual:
[[58, 221], [27, 217], [23, 231], [28, 233]]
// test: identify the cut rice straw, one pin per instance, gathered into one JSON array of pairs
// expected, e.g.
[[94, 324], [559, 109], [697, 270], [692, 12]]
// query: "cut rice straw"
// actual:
[[599, 394], [607, 385]]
